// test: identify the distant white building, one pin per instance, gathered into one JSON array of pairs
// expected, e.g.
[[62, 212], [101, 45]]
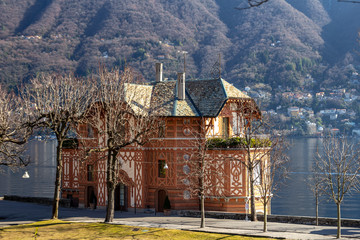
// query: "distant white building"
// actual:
[[340, 111], [333, 116], [293, 111], [328, 111]]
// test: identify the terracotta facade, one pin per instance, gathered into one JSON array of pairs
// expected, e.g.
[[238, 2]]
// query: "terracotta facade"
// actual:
[[149, 173]]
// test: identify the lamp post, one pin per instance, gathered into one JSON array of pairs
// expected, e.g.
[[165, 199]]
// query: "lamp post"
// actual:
[[247, 209]]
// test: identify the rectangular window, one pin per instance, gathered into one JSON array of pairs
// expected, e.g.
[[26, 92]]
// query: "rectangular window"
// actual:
[[225, 127], [90, 173], [161, 168], [257, 173], [237, 124]]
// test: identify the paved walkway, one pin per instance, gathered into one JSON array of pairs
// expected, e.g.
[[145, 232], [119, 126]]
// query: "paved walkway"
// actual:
[[13, 213]]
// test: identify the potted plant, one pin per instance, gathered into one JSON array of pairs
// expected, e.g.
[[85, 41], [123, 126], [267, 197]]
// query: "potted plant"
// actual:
[[167, 206]]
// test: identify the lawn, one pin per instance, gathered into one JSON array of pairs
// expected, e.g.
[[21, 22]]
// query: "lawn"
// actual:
[[56, 229]]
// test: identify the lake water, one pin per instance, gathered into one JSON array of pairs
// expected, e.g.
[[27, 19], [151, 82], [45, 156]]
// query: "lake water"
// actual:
[[294, 198], [41, 170]]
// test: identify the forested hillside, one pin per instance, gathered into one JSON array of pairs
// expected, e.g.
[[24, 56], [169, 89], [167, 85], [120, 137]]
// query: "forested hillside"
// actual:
[[279, 43]]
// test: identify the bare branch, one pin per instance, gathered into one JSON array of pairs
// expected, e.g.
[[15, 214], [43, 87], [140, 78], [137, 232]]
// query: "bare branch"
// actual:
[[252, 3], [122, 116], [14, 133], [57, 103], [265, 156], [338, 167]]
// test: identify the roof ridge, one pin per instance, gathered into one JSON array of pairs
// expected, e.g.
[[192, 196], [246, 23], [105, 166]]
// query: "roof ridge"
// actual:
[[192, 102], [223, 87]]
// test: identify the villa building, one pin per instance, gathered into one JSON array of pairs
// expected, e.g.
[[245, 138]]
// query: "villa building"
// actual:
[[160, 168]]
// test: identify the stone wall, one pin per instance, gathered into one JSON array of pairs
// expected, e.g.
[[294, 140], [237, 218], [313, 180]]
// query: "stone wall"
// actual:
[[275, 218], [209, 214]]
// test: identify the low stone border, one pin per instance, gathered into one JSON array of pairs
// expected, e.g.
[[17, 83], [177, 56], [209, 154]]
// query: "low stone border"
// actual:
[[220, 215], [40, 200], [274, 218]]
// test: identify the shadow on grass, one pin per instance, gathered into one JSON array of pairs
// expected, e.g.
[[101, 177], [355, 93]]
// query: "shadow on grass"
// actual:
[[41, 224], [115, 229]]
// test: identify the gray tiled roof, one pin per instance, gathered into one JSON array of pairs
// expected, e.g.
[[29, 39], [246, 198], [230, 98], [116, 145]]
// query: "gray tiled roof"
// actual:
[[163, 98], [208, 95], [203, 97], [139, 96]]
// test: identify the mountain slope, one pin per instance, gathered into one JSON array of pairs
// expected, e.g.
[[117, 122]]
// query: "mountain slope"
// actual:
[[279, 43]]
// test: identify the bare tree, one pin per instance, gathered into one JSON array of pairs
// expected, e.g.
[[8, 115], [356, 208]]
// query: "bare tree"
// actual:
[[265, 157], [252, 140], [203, 168], [13, 131], [317, 187], [124, 115], [57, 103], [273, 170], [338, 166]]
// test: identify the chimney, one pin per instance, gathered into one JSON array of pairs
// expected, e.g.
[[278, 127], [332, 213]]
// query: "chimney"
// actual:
[[159, 72], [181, 86]]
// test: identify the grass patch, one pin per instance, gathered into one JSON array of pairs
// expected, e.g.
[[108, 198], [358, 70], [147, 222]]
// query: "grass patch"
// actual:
[[56, 229]]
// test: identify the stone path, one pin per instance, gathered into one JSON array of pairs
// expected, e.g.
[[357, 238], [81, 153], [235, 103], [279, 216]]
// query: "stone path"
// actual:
[[13, 213]]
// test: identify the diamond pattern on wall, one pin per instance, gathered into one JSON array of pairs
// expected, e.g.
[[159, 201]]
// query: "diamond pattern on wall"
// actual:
[[75, 173], [138, 184], [101, 170]]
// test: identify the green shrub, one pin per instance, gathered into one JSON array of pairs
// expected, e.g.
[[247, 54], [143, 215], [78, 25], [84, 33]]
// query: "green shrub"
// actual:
[[237, 142], [216, 143]]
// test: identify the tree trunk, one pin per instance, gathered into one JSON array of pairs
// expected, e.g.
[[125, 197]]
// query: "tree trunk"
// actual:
[[265, 215], [111, 180], [317, 209], [252, 196], [202, 187], [110, 206], [202, 224], [338, 220], [59, 167]]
